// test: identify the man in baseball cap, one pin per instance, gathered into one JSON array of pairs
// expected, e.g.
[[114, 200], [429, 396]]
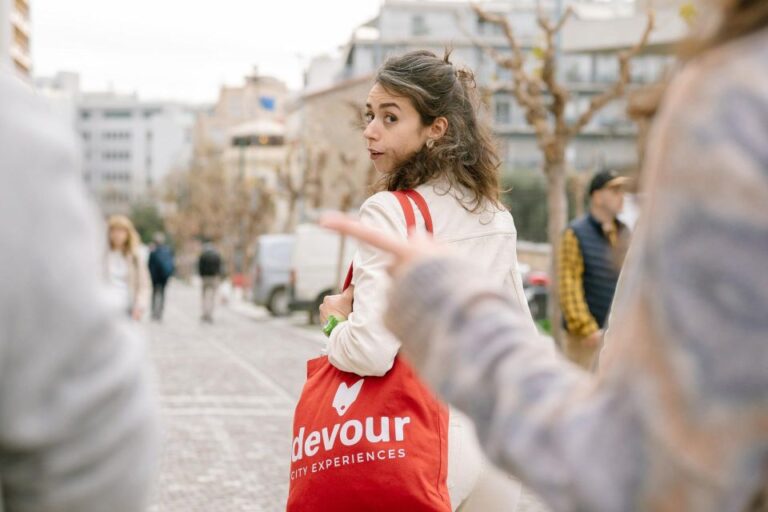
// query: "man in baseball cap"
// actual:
[[606, 179], [590, 257]]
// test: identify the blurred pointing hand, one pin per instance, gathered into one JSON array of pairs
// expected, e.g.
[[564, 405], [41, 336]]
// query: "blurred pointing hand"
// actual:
[[405, 252]]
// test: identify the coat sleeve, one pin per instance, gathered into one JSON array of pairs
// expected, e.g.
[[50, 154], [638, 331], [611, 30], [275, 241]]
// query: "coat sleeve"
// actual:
[[77, 415], [676, 418], [362, 344]]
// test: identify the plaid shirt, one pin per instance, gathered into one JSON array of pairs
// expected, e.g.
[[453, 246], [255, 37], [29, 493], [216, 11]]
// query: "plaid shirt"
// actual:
[[578, 320]]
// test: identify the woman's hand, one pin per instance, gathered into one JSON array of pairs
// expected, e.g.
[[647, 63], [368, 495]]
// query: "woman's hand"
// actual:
[[137, 313], [339, 305], [406, 252]]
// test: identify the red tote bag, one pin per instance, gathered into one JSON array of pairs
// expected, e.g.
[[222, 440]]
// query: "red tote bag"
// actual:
[[369, 443]]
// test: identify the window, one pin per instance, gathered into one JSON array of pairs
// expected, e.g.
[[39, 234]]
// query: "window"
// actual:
[[116, 155], [258, 140], [86, 135], [419, 26], [85, 114], [606, 68], [118, 114], [120, 176], [116, 135], [503, 112], [488, 29]]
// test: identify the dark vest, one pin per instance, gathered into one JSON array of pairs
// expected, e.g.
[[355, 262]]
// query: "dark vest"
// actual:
[[602, 264]]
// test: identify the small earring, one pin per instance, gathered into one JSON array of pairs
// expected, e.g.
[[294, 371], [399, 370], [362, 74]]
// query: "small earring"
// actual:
[[430, 143]]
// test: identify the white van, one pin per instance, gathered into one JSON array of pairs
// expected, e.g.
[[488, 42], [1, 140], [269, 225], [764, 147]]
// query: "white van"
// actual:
[[318, 269], [272, 272]]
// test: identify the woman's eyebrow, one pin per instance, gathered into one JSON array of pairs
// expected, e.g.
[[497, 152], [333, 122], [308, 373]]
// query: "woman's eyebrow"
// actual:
[[383, 105]]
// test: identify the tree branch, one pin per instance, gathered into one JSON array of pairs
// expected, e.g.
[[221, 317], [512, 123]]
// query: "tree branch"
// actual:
[[524, 88], [617, 90], [559, 93]]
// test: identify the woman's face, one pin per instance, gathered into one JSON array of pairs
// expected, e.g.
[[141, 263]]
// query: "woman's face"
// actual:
[[394, 131], [118, 237]]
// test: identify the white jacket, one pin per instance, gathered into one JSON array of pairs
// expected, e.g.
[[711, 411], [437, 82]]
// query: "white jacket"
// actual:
[[362, 344]]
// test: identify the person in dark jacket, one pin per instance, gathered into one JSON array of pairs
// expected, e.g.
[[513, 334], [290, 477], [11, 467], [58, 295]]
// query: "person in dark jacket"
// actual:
[[591, 253], [161, 267], [209, 268]]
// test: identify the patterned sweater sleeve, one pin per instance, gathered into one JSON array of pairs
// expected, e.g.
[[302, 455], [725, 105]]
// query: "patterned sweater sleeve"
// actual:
[[676, 419]]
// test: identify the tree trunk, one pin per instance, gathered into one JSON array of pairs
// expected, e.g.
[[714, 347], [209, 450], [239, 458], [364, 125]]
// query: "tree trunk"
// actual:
[[290, 221], [557, 209]]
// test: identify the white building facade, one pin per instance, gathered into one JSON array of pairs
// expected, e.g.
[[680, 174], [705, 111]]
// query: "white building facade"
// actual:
[[608, 140], [129, 146]]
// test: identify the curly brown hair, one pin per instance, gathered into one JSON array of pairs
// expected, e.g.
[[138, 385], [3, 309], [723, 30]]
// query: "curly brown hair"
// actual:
[[466, 155]]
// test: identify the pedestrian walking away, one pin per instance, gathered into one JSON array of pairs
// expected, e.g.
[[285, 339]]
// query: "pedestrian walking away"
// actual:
[[161, 268], [209, 267]]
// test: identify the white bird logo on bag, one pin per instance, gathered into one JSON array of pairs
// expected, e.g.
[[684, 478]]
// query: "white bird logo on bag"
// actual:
[[346, 396]]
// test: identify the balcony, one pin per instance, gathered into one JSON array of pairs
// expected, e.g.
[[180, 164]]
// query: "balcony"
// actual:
[[22, 6], [21, 23], [21, 59], [21, 40]]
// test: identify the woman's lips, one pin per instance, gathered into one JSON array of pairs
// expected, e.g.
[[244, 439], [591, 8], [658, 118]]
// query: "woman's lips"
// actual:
[[374, 154]]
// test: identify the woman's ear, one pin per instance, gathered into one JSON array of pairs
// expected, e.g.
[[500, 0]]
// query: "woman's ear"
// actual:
[[438, 128]]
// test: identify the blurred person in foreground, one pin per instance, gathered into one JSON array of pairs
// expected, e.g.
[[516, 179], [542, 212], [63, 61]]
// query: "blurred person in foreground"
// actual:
[[591, 253], [161, 267], [126, 270], [677, 417], [77, 417]]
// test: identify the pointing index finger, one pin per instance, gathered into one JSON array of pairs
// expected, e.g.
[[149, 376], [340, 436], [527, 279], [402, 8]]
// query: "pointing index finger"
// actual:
[[348, 226]]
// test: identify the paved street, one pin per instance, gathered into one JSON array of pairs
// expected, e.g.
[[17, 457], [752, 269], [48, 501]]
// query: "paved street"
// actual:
[[227, 394]]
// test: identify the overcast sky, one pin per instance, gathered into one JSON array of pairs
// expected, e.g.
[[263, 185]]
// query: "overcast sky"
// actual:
[[185, 49]]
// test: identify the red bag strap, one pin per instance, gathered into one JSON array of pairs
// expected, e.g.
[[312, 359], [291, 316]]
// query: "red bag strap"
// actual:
[[410, 218], [421, 203], [405, 205], [348, 279]]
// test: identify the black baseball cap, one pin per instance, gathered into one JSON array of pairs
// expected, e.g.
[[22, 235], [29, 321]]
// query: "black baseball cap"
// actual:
[[605, 179]]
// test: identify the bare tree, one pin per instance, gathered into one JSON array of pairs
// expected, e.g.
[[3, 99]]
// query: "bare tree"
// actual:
[[544, 99], [291, 186], [230, 213], [251, 211]]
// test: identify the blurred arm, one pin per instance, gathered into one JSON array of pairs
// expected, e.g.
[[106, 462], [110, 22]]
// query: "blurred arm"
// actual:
[[77, 416]]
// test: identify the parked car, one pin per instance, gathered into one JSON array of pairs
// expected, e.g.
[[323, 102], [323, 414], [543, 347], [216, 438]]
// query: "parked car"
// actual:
[[536, 286], [317, 267], [272, 272]]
